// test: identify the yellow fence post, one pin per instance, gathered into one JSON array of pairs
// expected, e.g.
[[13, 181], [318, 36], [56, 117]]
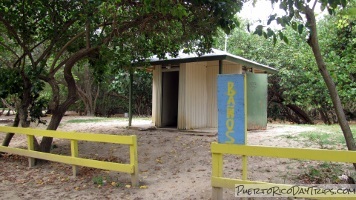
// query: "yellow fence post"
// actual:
[[217, 171], [134, 162], [31, 147], [244, 167], [74, 152]]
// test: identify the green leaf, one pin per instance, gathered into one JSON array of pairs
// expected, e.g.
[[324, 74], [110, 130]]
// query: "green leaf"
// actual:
[[343, 3], [300, 28], [285, 39], [258, 30], [294, 26], [330, 11], [265, 35], [271, 18], [280, 35], [269, 32]]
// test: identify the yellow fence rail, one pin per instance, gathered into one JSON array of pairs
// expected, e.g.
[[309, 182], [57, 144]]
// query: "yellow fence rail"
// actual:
[[74, 137], [218, 182]]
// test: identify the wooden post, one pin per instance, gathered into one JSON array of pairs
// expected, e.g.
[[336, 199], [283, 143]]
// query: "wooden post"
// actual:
[[220, 67], [31, 147], [217, 171], [130, 96], [134, 162], [244, 158], [74, 152]]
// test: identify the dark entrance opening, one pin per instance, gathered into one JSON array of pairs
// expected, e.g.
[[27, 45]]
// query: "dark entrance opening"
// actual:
[[170, 86]]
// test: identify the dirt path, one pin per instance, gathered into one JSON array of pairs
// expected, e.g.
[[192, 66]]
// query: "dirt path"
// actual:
[[172, 165]]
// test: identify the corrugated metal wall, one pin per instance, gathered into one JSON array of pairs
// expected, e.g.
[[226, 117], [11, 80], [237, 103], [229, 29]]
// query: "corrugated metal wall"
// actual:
[[197, 101], [181, 97], [157, 95], [212, 109], [229, 68], [193, 102]]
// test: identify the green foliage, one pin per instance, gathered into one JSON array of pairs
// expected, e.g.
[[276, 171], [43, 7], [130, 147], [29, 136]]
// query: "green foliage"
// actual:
[[49, 38], [299, 81], [99, 180], [13, 85], [11, 82], [142, 89]]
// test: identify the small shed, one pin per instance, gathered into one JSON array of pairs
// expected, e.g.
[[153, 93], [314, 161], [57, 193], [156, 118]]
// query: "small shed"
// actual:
[[184, 93]]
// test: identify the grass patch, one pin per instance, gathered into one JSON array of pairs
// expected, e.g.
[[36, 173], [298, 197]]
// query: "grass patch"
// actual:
[[322, 173], [106, 180], [326, 136], [321, 138], [290, 136]]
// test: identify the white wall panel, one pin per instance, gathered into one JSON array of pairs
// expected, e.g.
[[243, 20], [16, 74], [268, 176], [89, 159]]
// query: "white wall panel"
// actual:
[[229, 68], [212, 110], [157, 95], [195, 95], [181, 96]]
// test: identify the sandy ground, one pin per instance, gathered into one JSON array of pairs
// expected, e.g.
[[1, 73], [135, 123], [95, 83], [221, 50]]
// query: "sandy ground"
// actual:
[[172, 164]]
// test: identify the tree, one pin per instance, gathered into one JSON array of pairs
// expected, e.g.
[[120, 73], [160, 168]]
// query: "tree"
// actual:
[[295, 9], [51, 37], [88, 89], [142, 92], [310, 100]]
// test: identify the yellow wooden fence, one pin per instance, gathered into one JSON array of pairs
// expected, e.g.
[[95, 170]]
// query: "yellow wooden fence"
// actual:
[[218, 182], [74, 137]]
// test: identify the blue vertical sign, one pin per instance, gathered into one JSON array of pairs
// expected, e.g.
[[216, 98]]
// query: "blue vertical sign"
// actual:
[[231, 109]]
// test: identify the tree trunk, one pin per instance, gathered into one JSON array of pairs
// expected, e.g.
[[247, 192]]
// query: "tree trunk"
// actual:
[[21, 116], [9, 136], [59, 109], [290, 116], [324, 117], [86, 93], [314, 44], [25, 101], [301, 114], [46, 142], [7, 105]]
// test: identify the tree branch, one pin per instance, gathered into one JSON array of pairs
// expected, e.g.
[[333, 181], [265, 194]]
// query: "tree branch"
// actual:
[[316, 1], [46, 53], [59, 54], [8, 48]]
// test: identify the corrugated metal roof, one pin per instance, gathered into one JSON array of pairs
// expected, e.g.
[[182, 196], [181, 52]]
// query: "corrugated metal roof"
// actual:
[[214, 55]]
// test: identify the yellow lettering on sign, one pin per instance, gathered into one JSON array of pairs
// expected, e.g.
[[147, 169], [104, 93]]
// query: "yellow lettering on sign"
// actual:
[[231, 101], [228, 135], [230, 89], [230, 112], [230, 124]]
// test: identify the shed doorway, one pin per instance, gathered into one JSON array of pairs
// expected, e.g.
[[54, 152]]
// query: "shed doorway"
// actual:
[[170, 86]]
